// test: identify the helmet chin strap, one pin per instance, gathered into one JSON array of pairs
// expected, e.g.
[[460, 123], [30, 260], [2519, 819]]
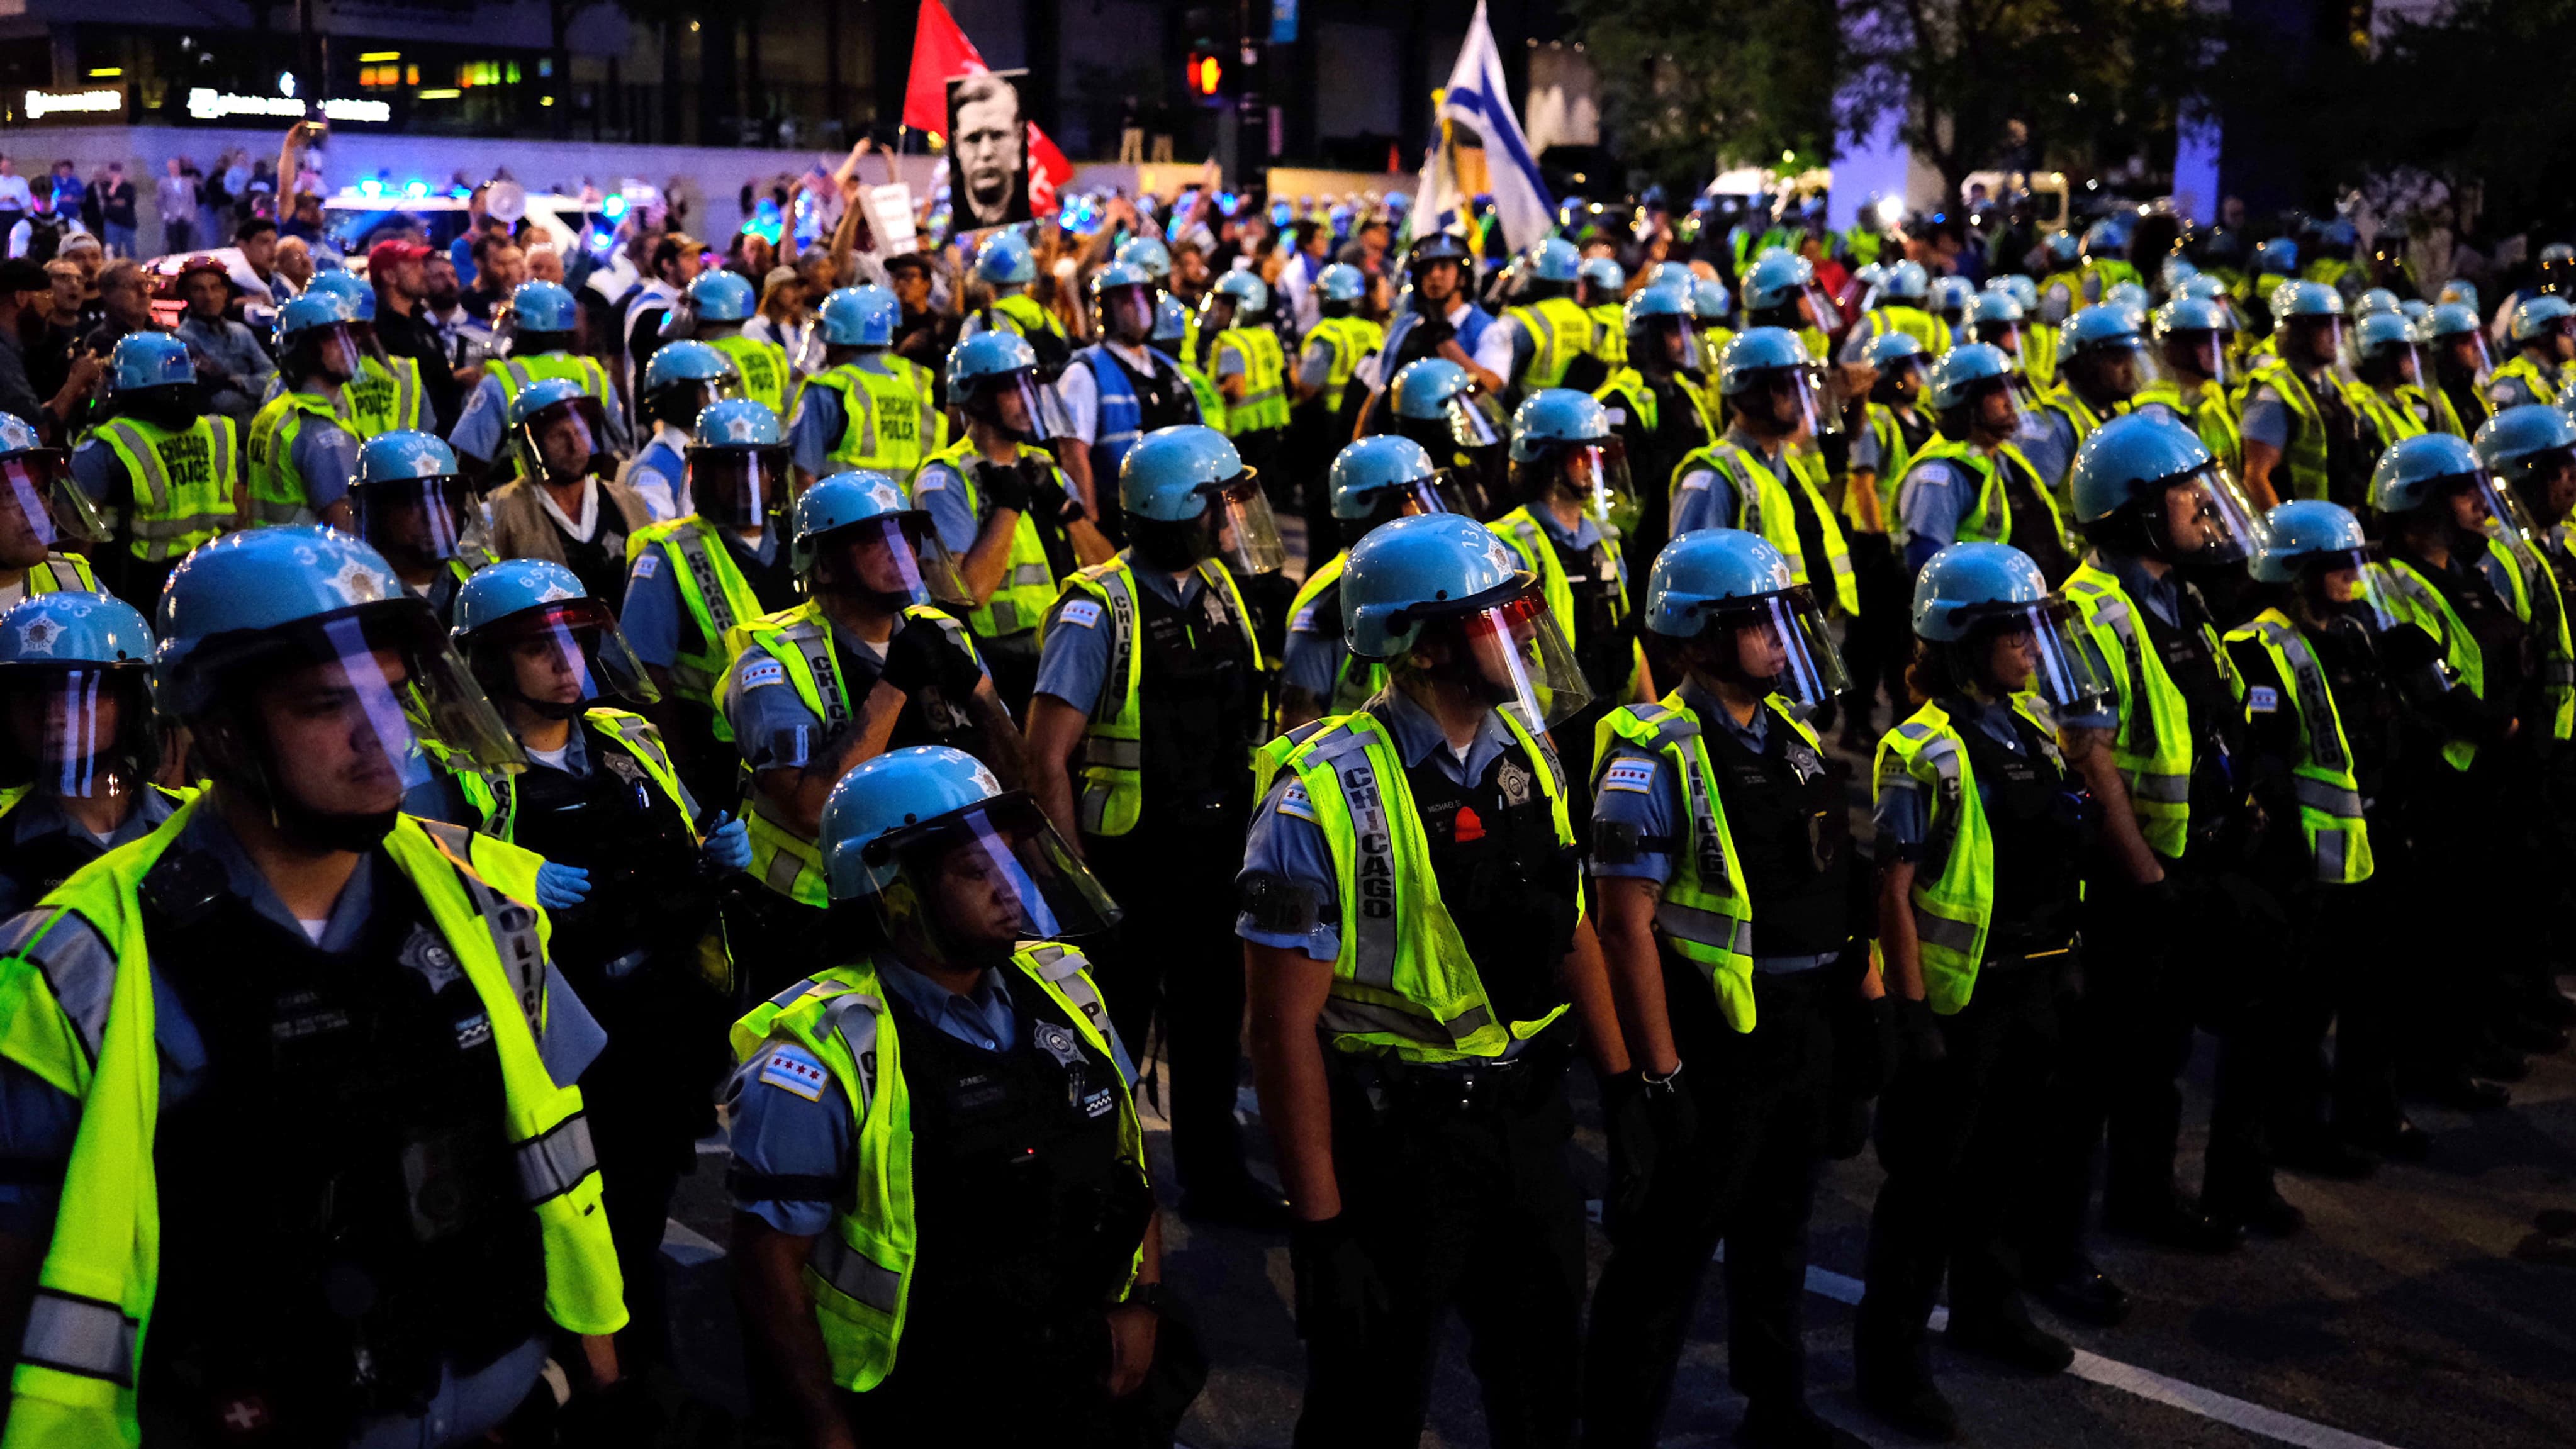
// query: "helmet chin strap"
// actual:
[[312, 829]]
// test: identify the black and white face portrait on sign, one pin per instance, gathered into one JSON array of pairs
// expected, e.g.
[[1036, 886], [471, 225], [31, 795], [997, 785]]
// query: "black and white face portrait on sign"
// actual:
[[988, 153]]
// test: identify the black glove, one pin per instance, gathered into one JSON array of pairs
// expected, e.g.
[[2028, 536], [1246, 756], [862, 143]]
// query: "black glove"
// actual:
[[1338, 1288], [1918, 1033], [1047, 496], [1650, 1124], [1004, 485], [922, 654]]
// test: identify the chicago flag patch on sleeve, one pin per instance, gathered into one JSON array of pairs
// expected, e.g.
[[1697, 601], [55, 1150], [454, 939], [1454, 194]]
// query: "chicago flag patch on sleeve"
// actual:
[[2262, 699], [763, 671], [648, 565], [794, 1069], [1085, 612], [1630, 773], [1294, 801]]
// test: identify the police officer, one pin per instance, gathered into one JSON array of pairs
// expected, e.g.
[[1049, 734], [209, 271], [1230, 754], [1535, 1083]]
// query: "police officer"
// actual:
[[1154, 678], [1374, 480], [1902, 293], [630, 878], [1006, 268], [2382, 392], [564, 506], [1003, 508], [1327, 397], [1599, 286], [868, 662], [1781, 292], [1414, 946], [411, 503], [1765, 475], [1236, 346], [1442, 407], [2456, 343], [1722, 855], [956, 1050], [40, 510], [1655, 403], [1171, 334], [681, 379], [1443, 320], [377, 1195], [544, 324], [691, 579], [2061, 287], [1552, 333], [1893, 428], [76, 739], [870, 407], [719, 301], [1953, 302], [1981, 832], [1121, 387], [2543, 331], [1712, 307], [387, 393], [2183, 933], [2101, 364], [163, 470], [2034, 343], [1998, 321], [301, 458], [2194, 336], [2300, 435]]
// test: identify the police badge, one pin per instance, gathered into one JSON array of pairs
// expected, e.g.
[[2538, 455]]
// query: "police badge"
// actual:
[[1514, 782]]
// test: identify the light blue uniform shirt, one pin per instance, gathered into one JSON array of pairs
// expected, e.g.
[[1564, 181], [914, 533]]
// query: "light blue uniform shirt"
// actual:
[[938, 491], [653, 613], [2267, 419], [816, 430], [1076, 659], [41, 815], [486, 417], [2048, 441], [1902, 814], [1935, 495], [1312, 658], [1707, 500]]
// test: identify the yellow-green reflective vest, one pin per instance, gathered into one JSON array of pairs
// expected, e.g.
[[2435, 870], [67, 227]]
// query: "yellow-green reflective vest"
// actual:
[[182, 481], [1706, 912], [1989, 517], [1903, 317], [385, 396], [890, 417], [76, 1010], [1609, 334], [1559, 331], [2153, 745], [2330, 806], [800, 639], [2535, 580], [1953, 897], [1627, 389], [1403, 982], [1873, 509], [515, 373], [2415, 601], [1113, 750], [1264, 403], [1354, 680], [278, 494], [1350, 338], [1763, 506], [714, 592], [62, 573], [2390, 416], [495, 798], [2305, 458], [763, 366], [1211, 401], [2039, 353], [860, 1268], [2213, 417], [1019, 312], [2434, 403], [1537, 549], [1028, 582], [2540, 380]]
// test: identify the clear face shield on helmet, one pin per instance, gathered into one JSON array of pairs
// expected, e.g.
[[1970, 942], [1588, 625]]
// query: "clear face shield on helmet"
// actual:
[[1476, 420], [76, 730], [742, 489], [2463, 354], [1024, 407], [1507, 648], [337, 347], [2323, 337], [2206, 520], [697, 394], [1780, 647], [2390, 364], [1673, 342], [418, 522], [1817, 310], [1127, 313], [2038, 648], [1241, 530], [1595, 472], [40, 506], [898, 558], [969, 886], [2123, 366], [1997, 408], [559, 659], [566, 440], [2342, 586], [2004, 335]]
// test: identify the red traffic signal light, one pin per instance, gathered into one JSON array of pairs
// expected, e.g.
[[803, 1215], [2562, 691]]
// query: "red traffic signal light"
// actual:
[[1206, 73]]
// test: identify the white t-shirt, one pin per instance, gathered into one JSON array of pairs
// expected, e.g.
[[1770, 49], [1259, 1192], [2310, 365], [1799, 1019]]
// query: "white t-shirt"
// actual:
[[551, 759]]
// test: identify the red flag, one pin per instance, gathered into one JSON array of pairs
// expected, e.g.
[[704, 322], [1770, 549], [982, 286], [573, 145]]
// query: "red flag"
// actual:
[[941, 53]]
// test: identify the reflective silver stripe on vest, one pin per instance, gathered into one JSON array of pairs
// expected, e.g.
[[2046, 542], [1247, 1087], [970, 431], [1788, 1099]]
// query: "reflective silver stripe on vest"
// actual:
[[2113, 612], [798, 992], [555, 1163], [2335, 800], [1914, 731], [65, 578], [1116, 754], [512, 926], [79, 1335], [855, 1275], [1943, 757], [814, 641], [1372, 905], [853, 1018], [784, 867], [1932, 930], [2558, 673], [77, 967], [2316, 703], [1028, 574], [1063, 966], [2162, 789], [702, 567], [2331, 847], [1705, 928], [1344, 1017]]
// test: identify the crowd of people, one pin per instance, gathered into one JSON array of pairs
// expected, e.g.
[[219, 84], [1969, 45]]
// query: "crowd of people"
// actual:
[[462, 735]]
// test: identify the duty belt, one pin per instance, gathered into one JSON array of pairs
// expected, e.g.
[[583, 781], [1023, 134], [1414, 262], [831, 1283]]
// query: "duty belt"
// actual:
[[1482, 1084]]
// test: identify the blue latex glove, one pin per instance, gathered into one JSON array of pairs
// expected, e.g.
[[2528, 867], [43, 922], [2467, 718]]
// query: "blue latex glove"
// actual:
[[728, 842], [559, 886]]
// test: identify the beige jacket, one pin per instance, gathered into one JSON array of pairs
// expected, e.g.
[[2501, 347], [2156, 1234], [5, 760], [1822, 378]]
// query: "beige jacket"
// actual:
[[521, 529]]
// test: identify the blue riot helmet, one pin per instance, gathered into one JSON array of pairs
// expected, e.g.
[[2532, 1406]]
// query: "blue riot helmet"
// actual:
[[2532, 448], [1238, 299], [2414, 308], [2192, 333], [1435, 249], [1447, 606], [1442, 395], [2065, 249], [1993, 629], [2174, 271], [1171, 321], [1996, 320], [1148, 256], [1865, 282], [1970, 392], [1728, 602], [411, 502], [1662, 327], [1899, 361], [1189, 497], [2419, 472], [2545, 322], [1340, 285], [1709, 302], [951, 867], [537, 642], [2145, 484], [2309, 317], [2203, 287], [1563, 447], [1122, 298], [1006, 261], [1951, 299], [40, 505], [2278, 257], [1782, 288], [859, 532], [2318, 548], [1906, 282], [359, 297], [1375, 479], [993, 379], [2016, 286], [2101, 346], [544, 309], [719, 295], [682, 378], [151, 375], [2460, 290], [559, 430], [75, 695], [738, 464], [316, 338], [2376, 301], [2106, 239], [315, 683], [1771, 384], [1555, 264], [859, 317], [1604, 279], [2383, 350], [1661, 274], [2455, 341]]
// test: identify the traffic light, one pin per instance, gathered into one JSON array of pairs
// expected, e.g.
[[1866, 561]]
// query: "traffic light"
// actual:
[[1206, 77]]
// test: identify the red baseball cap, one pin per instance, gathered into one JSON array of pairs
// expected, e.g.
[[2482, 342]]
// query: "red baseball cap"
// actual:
[[395, 249]]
